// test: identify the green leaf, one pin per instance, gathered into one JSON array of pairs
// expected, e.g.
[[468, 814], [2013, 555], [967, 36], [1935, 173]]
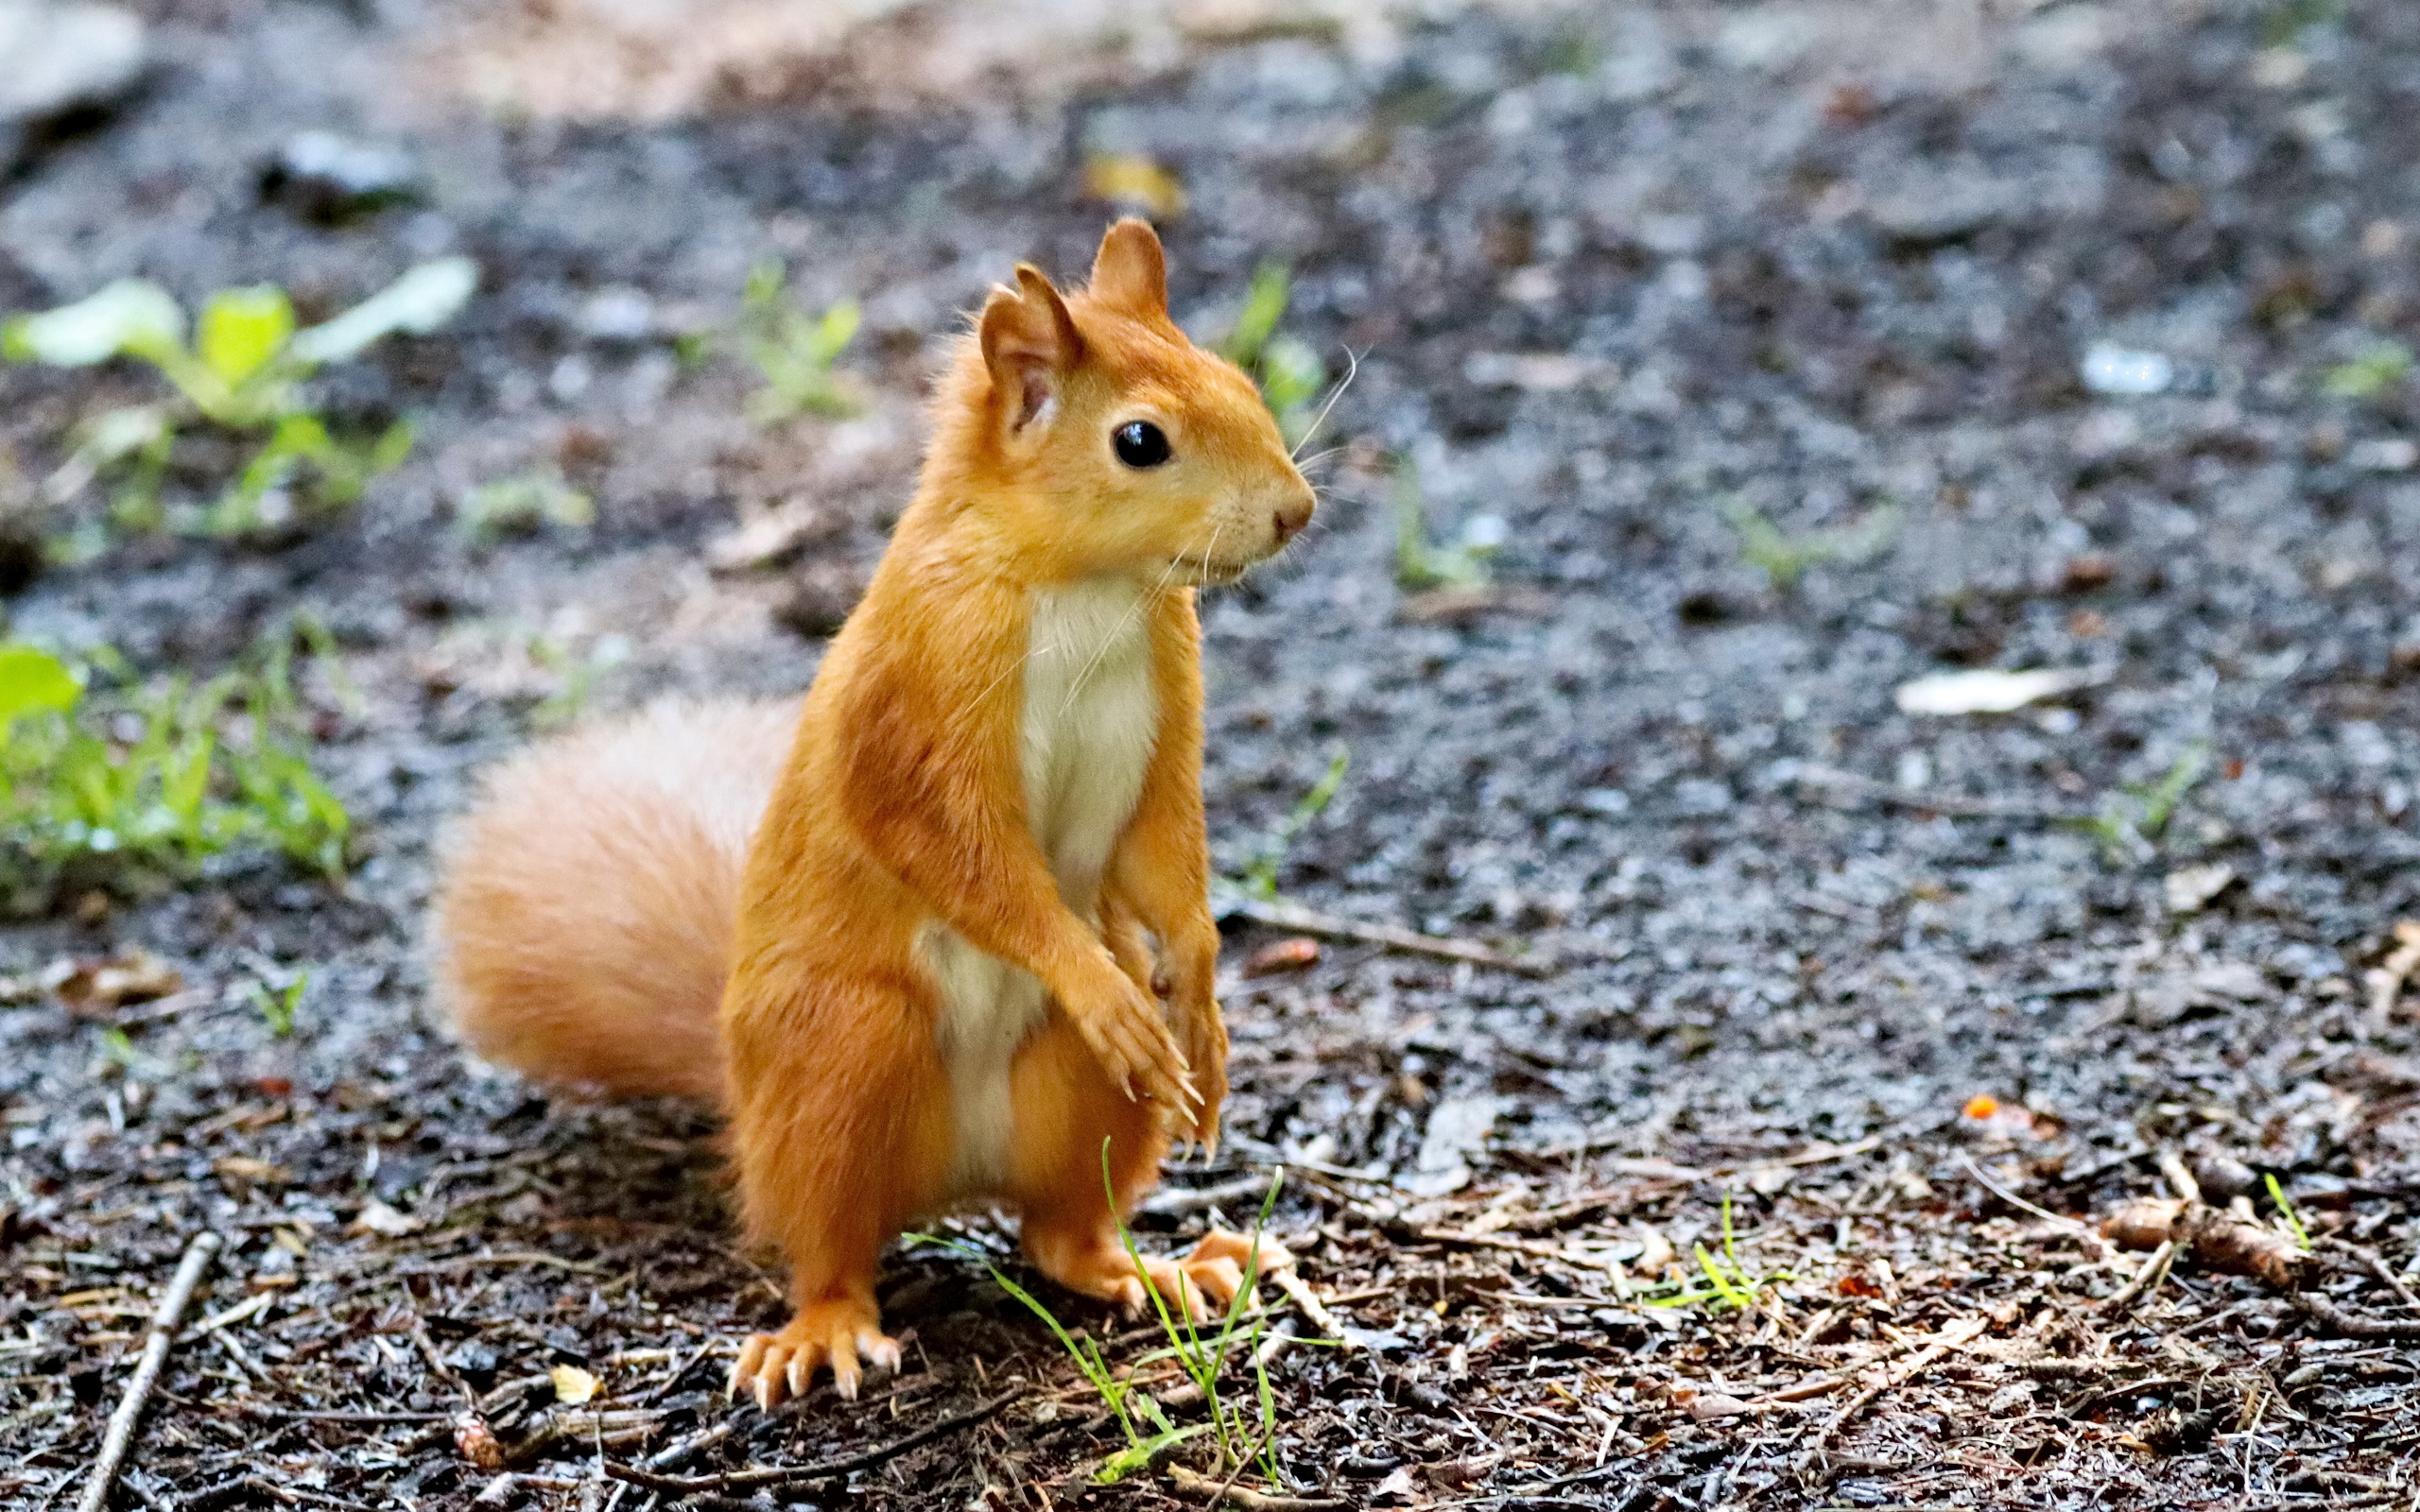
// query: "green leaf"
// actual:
[[133, 316], [1139, 1456], [420, 301], [837, 328], [32, 681], [1291, 373], [242, 329], [1263, 306], [182, 786], [393, 444], [2379, 366]]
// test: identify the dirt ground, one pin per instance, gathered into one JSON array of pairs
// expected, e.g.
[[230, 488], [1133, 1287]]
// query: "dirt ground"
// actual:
[[1639, 282]]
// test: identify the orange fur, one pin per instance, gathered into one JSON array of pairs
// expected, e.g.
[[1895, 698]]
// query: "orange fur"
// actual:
[[940, 987]]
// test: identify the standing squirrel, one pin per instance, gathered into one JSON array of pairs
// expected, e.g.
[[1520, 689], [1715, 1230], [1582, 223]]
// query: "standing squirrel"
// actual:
[[908, 939]]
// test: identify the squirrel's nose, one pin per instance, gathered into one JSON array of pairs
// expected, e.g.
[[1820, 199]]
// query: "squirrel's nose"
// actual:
[[1290, 517]]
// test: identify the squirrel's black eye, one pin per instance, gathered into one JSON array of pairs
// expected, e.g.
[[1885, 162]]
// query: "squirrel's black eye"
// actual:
[[1140, 443]]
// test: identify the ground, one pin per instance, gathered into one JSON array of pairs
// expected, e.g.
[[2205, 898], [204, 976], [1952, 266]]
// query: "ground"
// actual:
[[1760, 331]]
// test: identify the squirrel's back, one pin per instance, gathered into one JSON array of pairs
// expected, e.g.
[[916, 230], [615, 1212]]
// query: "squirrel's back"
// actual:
[[586, 903]]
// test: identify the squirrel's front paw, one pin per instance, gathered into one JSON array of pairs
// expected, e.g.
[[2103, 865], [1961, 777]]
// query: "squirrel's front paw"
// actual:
[[1130, 1036], [1203, 1036], [840, 1332]]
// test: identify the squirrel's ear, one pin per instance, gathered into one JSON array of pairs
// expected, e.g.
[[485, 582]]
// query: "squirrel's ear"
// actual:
[[1030, 344], [1131, 270]]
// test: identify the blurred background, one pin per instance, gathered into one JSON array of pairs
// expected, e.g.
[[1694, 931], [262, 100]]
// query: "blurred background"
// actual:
[[1867, 573]]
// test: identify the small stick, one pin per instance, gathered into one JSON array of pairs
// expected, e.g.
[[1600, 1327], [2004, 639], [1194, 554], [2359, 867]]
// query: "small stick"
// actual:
[[828, 1471], [1180, 1200], [2093, 1244], [436, 1362], [1306, 1302], [365, 1419], [1328, 926], [1214, 1493], [1946, 1340], [171, 1312], [1522, 1246], [1890, 796], [2352, 1325], [2378, 1267], [2155, 1270], [1281, 1338], [2179, 1179], [674, 1379]]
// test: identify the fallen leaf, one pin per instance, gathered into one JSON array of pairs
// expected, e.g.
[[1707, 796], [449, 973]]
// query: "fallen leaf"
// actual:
[[2189, 888], [1294, 954], [1709, 1405], [1982, 1105], [774, 537], [1398, 1486], [94, 988], [1655, 1252], [1126, 178], [2216, 1238], [1987, 691], [378, 1218], [573, 1386]]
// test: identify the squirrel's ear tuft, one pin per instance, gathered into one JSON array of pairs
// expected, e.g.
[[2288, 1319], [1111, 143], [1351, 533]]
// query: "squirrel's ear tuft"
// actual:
[[1132, 270], [1030, 344]]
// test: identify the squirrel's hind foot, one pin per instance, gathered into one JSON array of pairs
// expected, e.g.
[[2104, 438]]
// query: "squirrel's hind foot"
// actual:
[[842, 1333], [1205, 1280]]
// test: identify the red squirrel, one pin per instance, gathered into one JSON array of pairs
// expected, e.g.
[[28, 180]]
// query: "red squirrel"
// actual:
[[910, 946]]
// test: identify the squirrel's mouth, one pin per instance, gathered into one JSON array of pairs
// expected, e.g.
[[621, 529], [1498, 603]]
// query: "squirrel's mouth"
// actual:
[[1195, 572]]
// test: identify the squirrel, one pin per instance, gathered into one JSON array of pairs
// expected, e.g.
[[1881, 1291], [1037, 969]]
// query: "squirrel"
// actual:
[[913, 938]]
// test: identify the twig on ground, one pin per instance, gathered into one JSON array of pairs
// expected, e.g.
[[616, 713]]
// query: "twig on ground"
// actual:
[[2146, 1280], [827, 1470], [120, 1436], [436, 1362], [1522, 1246], [1817, 1154], [243, 1311], [367, 1419], [1889, 795], [1306, 1302], [682, 1370], [1212, 1492], [1304, 920], [1950, 1338], [1180, 1200], [1281, 1338], [2377, 1267], [2093, 1244], [2180, 1180], [2352, 1325]]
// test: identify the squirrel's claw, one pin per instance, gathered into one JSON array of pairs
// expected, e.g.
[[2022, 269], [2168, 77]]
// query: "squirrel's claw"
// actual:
[[842, 1333]]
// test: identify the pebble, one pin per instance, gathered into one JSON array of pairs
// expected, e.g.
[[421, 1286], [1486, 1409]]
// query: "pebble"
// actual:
[[62, 55], [327, 178]]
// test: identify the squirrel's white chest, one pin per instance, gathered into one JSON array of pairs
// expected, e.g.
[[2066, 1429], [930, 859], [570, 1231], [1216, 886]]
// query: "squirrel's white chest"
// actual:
[[1089, 721]]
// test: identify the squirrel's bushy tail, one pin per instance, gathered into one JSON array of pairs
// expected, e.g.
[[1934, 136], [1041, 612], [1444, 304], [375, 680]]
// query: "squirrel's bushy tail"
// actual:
[[585, 906]]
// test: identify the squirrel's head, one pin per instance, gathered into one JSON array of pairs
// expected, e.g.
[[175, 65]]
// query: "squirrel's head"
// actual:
[[1112, 441]]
